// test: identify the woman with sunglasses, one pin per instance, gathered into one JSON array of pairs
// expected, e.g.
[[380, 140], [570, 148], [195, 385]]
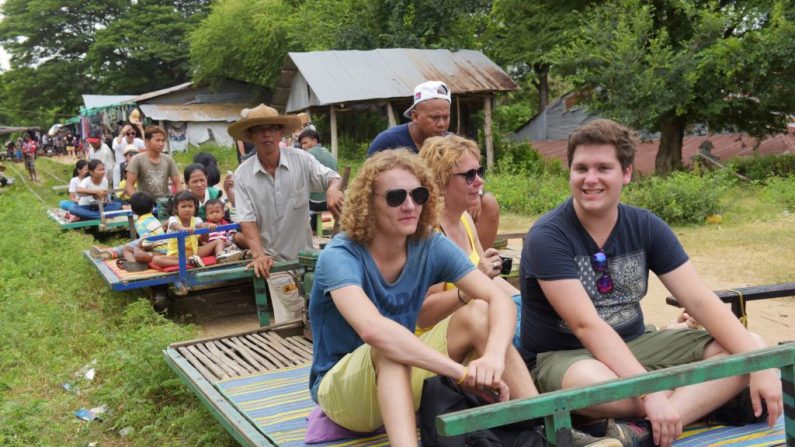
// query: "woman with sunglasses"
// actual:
[[369, 286], [128, 135], [455, 163]]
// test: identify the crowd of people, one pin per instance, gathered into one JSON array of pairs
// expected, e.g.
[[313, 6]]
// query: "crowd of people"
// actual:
[[411, 288]]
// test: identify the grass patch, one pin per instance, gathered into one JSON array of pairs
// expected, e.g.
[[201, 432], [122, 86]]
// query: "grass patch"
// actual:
[[58, 315]]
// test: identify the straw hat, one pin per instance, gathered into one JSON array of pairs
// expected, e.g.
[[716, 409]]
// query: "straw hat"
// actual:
[[135, 116], [131, 149], [261, 114]]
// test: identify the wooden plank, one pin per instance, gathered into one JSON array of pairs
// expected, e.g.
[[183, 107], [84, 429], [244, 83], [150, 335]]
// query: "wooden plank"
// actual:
[[291, 327], [255, 349], [210, 356], [301, 340], [274, 355], [197, 364], [218, 372], [251, 359], [302, 348], [226, 359], [278, 343]]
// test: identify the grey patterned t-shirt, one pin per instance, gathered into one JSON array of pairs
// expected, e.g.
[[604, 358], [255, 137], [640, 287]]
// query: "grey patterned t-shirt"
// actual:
[[558, 247]]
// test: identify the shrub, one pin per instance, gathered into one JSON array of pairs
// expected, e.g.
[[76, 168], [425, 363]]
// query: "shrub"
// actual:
[[681, 197], [764, 166], [528, 194], [782, 190], [520, 158]]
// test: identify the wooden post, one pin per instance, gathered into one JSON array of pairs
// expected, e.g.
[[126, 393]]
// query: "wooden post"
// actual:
[[390, 115], [488, 136], [458, 115], [163, 126], [333, 124]]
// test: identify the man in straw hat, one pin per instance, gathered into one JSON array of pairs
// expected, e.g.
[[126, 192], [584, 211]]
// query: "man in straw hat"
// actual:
[[272, 200], [430, 117]]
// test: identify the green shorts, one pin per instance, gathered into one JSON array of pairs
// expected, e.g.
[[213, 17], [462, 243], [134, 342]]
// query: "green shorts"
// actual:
[[347, 393], [654, 350]]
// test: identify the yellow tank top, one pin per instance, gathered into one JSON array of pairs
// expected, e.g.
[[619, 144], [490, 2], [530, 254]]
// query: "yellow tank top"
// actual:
[[474, 257], [191, 242]]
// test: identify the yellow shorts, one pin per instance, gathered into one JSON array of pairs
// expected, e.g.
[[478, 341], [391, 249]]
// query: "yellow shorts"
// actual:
[[347, 393]]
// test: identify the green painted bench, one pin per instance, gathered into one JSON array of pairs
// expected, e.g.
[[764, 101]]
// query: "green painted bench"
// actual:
[[556, 407]]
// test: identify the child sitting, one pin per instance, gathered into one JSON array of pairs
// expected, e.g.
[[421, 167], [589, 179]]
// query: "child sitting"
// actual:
[[78, 174], [214, 212], [135, 255], [92, 190], [184, 218]]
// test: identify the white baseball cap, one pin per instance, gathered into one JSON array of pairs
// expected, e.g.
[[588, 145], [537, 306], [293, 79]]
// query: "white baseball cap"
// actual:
[[428, 90]]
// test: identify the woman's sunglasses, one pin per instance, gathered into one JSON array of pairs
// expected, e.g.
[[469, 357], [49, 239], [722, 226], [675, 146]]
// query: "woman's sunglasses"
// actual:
[[396, 197], [604, 284], [470, 175]]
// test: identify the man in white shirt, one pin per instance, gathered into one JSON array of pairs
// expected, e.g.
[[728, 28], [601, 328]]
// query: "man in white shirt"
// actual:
[[272, 200]]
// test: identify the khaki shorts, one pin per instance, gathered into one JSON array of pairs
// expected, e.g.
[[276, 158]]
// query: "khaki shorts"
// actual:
[[347, 393], [654, 350]]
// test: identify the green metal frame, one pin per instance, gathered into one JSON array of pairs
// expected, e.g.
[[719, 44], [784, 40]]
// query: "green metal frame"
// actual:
[[230, 418], [556, 407]]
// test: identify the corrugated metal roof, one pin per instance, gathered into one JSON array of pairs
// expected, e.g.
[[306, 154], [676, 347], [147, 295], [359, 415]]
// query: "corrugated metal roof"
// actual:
[[92, 101], [193, 112], [320, 78], [165, 91], [726, 146]]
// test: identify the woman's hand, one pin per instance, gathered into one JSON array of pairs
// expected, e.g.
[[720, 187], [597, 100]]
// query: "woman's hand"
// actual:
[[490, 263]]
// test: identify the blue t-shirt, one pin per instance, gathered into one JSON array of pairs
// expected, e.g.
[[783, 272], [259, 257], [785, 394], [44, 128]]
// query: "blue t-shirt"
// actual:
[[392, 138], [558, 247], [344, 262]]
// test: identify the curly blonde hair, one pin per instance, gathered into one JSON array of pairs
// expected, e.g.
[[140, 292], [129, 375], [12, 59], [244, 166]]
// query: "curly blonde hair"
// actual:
[[358, 217], [442, 154]]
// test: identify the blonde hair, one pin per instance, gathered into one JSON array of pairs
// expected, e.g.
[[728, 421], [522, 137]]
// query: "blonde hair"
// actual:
[[442, 154], [358, 216]]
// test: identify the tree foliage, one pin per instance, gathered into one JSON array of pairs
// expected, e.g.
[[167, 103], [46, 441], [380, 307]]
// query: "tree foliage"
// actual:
[[258, 34], [521, 34], [62, 49], [663, 65]]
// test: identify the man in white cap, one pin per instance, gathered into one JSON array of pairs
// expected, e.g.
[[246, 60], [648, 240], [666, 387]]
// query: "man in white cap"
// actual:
[[430, 117], [272, 201]]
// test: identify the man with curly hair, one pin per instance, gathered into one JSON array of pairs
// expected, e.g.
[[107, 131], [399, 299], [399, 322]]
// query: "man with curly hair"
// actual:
[[368, 365]]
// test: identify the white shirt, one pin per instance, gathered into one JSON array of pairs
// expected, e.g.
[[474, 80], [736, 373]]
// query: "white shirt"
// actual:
[[73, 184], [87, 183], [119, 146], [103, 154], [280, 206]]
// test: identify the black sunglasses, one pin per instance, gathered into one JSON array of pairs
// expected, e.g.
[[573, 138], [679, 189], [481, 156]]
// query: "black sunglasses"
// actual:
[[604, 284], [396, 197], [470, 175]]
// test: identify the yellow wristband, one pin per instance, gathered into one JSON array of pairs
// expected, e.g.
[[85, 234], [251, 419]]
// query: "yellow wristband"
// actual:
[[464, 377], [642, 396]]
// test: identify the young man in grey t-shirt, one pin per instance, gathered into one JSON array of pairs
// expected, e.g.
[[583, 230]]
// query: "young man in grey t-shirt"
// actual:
[[152, 169]]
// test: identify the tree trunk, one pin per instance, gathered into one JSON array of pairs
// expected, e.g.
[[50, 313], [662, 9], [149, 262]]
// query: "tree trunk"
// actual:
[[669, 154], [542, 70]]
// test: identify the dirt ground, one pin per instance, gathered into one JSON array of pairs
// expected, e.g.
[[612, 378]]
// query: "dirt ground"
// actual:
[[773, 319]]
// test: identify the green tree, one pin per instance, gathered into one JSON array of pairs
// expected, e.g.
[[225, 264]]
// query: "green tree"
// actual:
[[522, 33], [246, 40], [145, 49], [62, 49], [258, 34], [663, 65]]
